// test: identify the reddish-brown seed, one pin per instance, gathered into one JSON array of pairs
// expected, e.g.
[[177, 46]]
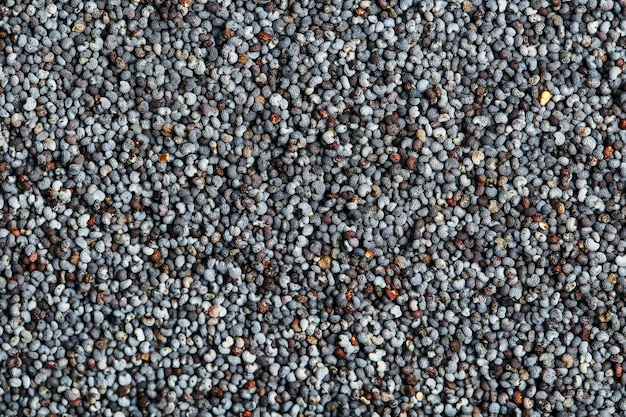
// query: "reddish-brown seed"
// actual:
[[411, 162], [264, 306], [216, 392], [608, 151], [391, 294], [618, 370], [264, 37], [394, 157], [228, 33], [24, 182], [553, 239], [622, 124], [349, 234], [75, 258], [156, 256], [100, 297], [586, 334]]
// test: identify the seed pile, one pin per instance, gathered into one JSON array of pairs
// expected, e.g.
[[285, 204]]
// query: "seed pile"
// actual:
[[307, 208]]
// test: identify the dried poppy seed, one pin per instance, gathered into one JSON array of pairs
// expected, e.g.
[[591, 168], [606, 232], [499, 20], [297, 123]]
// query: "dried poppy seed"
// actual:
[[324, 262]]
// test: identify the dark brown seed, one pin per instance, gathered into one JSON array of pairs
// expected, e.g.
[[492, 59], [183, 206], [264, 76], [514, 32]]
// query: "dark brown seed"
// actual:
[[156, 256], [455, 345]]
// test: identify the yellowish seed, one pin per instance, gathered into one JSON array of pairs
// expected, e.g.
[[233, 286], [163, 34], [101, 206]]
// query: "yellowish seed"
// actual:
[[78, 27], [120, 63], [376, 191], [477, 157], [605, 317], [164, 157], [167, 130], [324, 263], [545, 97], [421, 135], [560, 208], [467, 6], [568, 360], [493, 206], [501, 243], [242, 59]]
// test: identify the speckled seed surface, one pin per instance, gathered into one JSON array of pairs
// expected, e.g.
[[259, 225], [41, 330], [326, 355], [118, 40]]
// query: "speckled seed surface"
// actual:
[[312, 208]]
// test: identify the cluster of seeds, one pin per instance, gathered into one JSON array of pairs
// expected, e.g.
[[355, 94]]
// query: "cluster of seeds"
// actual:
[[312, 208]]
